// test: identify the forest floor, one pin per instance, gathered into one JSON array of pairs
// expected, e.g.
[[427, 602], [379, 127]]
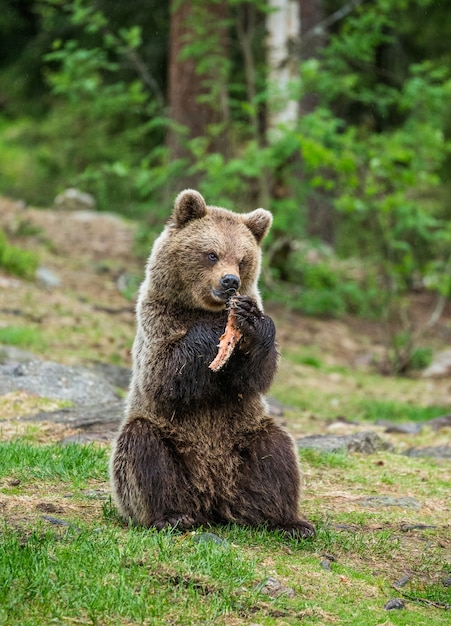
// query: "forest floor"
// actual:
[[80, 311]]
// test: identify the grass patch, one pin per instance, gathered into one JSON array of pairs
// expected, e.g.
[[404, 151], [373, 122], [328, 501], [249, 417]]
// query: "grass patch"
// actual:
[[374, 410], [22, 403], [96, 570], [330, 460], [132, 576], [15, 260], [52, 463], [23, 336]]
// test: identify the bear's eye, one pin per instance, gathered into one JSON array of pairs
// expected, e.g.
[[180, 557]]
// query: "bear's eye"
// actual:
[[212, 257], [241, 264]]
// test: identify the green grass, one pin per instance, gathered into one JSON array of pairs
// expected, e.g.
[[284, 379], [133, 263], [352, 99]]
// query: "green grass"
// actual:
[[97, 570], [23, 336], [374, 410], [52, 463], [130, 576], [329, 392], [17, 260]]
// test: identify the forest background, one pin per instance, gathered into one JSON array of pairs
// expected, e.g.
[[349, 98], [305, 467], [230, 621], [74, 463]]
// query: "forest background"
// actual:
[[334, 115]]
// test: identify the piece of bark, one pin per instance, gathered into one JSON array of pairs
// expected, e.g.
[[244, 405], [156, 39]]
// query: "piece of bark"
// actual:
[[227, 342]]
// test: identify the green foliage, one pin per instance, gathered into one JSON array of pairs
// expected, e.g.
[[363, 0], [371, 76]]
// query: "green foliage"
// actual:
[[15, 260], [375, 149], [316, 281]]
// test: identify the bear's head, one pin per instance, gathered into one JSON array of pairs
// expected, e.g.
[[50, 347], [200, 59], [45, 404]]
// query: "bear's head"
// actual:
[[206, 254]]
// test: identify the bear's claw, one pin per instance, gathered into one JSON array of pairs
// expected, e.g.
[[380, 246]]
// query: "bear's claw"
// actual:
[[299, 530], [177, 520]]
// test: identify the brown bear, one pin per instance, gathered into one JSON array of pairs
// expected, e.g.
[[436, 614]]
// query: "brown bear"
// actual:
[[196, 446]]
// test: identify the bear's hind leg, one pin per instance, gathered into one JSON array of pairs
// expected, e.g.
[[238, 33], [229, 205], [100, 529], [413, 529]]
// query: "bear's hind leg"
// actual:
[[149, 485], [269, 486]]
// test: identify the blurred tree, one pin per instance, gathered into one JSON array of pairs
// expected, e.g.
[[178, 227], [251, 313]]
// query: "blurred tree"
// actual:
[[320, 220], [198, 75]]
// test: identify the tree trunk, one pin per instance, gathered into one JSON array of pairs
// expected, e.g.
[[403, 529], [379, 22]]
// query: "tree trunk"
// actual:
[[283, 26], [197, 95], [320, 212]]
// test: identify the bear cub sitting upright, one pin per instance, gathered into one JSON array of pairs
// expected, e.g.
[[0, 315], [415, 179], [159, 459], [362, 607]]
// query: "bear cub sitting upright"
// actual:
[[196, 446]]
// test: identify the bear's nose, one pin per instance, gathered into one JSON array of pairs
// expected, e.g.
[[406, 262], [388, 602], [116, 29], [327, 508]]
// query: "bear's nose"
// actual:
[[230, 282]]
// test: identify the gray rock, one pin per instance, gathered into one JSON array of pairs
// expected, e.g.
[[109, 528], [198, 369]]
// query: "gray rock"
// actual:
[[86, 416], [11, 354], [47, 379], [404, 502], [437, 423], [395, 603], [435, 452], [408, 428], [47, 278], [440, 366], [115, 374], [274, 588], [74, 200], [364, 442], [208, 538], [402, 582]]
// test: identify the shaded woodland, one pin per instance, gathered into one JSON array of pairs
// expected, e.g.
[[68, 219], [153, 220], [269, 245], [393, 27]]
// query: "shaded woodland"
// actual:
[[334, 115]]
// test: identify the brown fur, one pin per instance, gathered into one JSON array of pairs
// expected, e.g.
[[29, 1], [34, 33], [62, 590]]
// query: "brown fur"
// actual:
[[196, 446]]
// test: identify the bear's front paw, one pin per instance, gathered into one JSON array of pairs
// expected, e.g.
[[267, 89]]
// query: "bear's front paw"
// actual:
[[300, 529], [176, 520], [253, 324], [246, 310]]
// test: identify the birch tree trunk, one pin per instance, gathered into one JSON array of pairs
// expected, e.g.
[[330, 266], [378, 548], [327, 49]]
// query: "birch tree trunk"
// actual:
[[283, 27]]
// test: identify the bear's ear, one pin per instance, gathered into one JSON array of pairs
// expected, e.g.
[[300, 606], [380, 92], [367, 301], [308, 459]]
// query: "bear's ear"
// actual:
[[189, 205], [259, 222]]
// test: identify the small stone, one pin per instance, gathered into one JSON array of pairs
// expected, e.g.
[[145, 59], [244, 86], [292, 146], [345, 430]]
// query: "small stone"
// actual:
[[274, 588], [402, 582], [58, 522], [447, 581], [395, 603], [437, 423], [47, 278], [440, 366], [325, 564], [409, 428], [208, 538], [74, 200], [435, 452], [49, 507], [96, 494]]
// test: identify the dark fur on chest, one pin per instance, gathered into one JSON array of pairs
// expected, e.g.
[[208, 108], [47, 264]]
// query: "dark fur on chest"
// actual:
[[172, 378]]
